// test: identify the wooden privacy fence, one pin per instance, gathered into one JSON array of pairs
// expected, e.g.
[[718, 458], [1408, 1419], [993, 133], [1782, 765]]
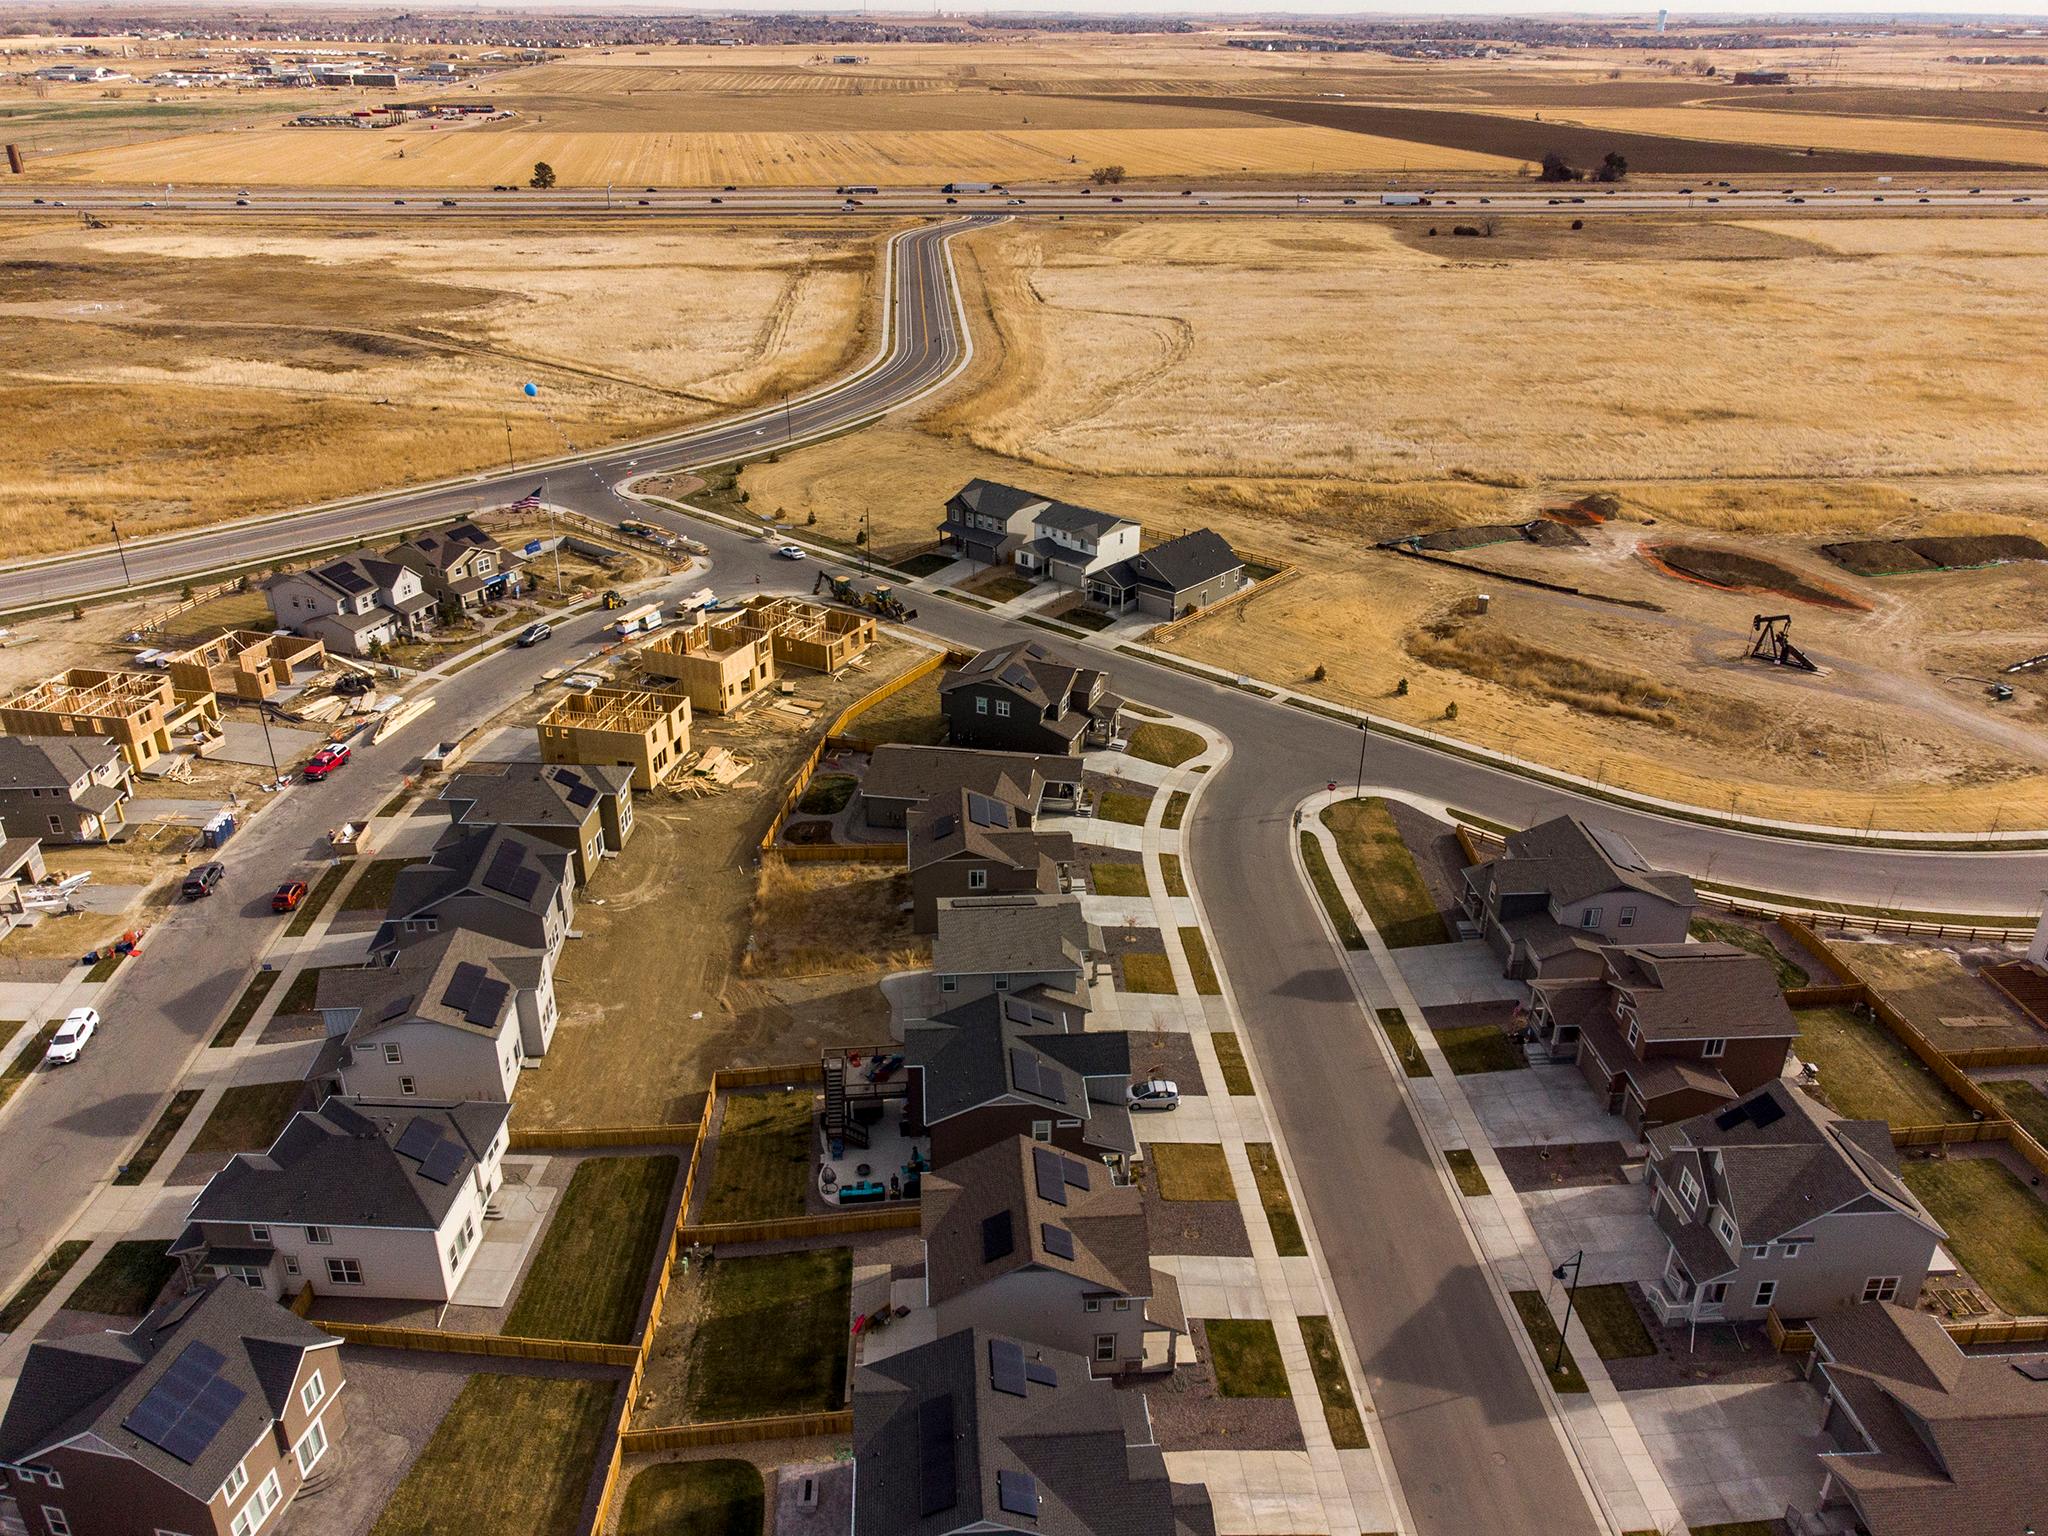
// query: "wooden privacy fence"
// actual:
[[162, 616], [1825, 997], [2001, 1330], [784, 1426], [1282, 574], [840, 853], [502, 1346], [669, 1135], [880, 1218], [1953, 1131]]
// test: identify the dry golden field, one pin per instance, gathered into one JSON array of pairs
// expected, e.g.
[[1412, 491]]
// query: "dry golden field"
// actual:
[[1311, 389], [170, 374]]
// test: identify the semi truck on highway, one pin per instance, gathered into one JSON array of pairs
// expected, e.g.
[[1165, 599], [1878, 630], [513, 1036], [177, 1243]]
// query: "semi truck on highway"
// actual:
[[1403, 200]]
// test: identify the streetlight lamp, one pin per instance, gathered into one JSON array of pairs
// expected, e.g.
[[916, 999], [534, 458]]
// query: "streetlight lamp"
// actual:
[[1364, 731], [126, 579], [1571, 1295]]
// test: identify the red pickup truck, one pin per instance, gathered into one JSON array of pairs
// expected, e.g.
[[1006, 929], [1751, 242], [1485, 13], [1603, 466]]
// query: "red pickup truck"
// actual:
[[324, 762]]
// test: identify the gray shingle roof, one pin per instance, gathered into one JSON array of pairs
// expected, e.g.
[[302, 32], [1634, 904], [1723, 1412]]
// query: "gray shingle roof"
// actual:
[[1110, 1243], [1065, 517], [1578, 861], [1701, 991], [473, 861], [339, 1166], [534, 795], [900, 772], [90, 1384], [995, 499], [453, 977], [964, 822], [51, 762], [1018, 935], [994, 1050], [1181, 563]]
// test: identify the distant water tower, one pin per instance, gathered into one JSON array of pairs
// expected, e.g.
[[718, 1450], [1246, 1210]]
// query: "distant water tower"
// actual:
[[1661, 16]]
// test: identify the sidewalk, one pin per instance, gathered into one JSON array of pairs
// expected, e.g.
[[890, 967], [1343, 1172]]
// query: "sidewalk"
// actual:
[[1596, 1425]]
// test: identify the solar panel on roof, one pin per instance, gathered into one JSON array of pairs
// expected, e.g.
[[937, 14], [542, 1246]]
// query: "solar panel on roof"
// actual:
[[488, 1003], [997, 1241], [524, 884], [462, 985], [445, 1163], [1077, 1174], [1045, 1170], [1039, 1372], [193, 1433], [419, 1137], [1006, 1366], [1059, 1242], [186, 1408], [1017, 1492], [581, 795], [348, 578], [938, 1484], [1728, 1119], [1023, 1069], [1017, 677], [394, 1008], [1765, 1111], [2033, 1370], [504, 866], [984, 812]]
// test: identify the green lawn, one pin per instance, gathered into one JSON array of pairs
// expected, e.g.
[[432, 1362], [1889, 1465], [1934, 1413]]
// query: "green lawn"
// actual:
[[245, 1008], [304, 991], [1340, 1408], [911, 715], [1326, 891], [1479, 1048], [248, 1117], [41, 1283], [1466, 1170], [1176, 810], [695, 1498], [1148, 973], [1997, 1230], [761, 1164], [1383, 873], [1868, 1075], [1715, 930], [1403, 1039], [321, 892], [1612, 1323], [27, 1059], [773, 1335], [1191, 1170], [372, 890], [591, 1271], [136, 1169], [1170, 871], [1279, 1205], [126, 1280], [1542, 1328], [1167, 745], [1203, 969], [104, 967], [827, 794], [1119, 879], [1245, 1355], [2026, 1104], [464, 1482], [1237, 1076], [1124, 806]]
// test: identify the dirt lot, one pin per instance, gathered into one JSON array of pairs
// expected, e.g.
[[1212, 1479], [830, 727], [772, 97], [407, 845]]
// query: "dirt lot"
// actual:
[[656, 994], [1938, 990]]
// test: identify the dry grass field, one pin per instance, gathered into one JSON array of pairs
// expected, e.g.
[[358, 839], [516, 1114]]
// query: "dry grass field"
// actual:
[[171, 374], [1311, 390]]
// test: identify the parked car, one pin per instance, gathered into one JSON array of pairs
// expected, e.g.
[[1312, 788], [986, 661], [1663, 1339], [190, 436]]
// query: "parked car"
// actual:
[[790, 551], [1154, 1093], [286, 897], [324, 762], [533, 634], [77, 1028], [201, 881]]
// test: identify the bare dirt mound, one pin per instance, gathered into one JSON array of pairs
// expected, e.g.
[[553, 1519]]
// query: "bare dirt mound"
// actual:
[[1897, 557], [1735, 572], [1541, 531]]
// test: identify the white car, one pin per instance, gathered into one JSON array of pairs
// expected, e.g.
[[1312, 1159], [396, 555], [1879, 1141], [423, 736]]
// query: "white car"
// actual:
[[790, 551], [1154, 1093], [77, 1028]]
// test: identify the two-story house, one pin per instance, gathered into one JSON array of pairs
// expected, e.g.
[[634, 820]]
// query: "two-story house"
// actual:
[[988, 522], [495, 880], [901, 777], [64, 789], [1070, 544], [357, 1198], [975, 1432], [1023, 1239], [353, 604], [463, 566], [1562, 886], [969, 844], [1040, 948], [204, 1419], [439, 1019], [586, 808], [1668, 1030], [1004, 1066], [1779, 1202], [1022, 698]]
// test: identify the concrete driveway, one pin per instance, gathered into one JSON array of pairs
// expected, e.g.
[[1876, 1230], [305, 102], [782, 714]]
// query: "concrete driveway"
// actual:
[[1732, 1452], [1611, 1222]]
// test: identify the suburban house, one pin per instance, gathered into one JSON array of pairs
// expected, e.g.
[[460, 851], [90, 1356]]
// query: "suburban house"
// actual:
[[354, 604], [1932, 1439], [204, 1419], [969, 844], [976, 1432], [901, 777], [1561, 885], [462, 566], [1003, 1066], [360, 1197], [143, 712], [989, 522], [586, 808], [247, 664], [1071, 544], [437, 1019], [1037, 947], [1172, 579], [68, 790], [1777, 1201], [493, 880], [1021, 698], [644, 729], [1667, 1031]]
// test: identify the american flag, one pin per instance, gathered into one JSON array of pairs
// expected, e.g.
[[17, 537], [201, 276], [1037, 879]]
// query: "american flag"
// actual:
[[530, 502]]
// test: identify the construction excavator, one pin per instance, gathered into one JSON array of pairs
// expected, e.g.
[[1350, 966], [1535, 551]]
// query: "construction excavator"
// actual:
[[880, 602]]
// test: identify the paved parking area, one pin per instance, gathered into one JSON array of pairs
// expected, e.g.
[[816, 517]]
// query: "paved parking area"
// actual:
[[1551, 1102], [1735, 1452], [1611, 1222]]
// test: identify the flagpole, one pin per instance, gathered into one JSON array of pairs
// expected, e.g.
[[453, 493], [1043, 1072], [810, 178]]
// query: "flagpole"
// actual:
[[555, 532]]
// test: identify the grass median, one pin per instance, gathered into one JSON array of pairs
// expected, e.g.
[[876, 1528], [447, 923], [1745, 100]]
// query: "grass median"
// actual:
[[1340, 1407], [1403, 1040], [1384, 873], [1325, 882]]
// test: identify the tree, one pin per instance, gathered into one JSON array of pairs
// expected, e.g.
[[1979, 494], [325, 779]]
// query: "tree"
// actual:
[[1557, 168], [1106, 175], [1612, 168], [543, 175]]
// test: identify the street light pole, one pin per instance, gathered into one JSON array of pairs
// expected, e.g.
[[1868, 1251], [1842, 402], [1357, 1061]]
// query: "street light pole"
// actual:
[[1364, 730], [263, 717], [126, 579], [1571, 1295]]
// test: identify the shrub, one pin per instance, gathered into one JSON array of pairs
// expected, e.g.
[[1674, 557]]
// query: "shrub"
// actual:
[[1321, 674], [1451, 710], [543, 175], [1557, 168], [1613, 168]]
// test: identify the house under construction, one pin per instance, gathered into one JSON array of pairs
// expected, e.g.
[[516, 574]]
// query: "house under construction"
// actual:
[[804, 635], [141, 711], [245, 664], [726, 660], [645, 729]]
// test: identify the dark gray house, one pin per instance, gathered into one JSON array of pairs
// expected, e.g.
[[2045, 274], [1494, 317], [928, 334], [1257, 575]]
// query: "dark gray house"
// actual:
[[901, 777], [989, 522], [64, 790], [1561, 888], [977, 1432], [1026, 944], [492, 880], [1022, 698], [586, 808], [1178, 577], [968, 844]]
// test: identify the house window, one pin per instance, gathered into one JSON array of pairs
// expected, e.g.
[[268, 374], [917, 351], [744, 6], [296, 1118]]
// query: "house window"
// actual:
[[981, 706], [1760, 1251], [238, 1479], [1881, 1288], [1724, 1227], [1628, 917], [319, 1235], [1709, 1049], [1688, 1189], [1105, 1347], [258, 1234], [405, 1087], [1714, 1294], [1002, 709], [1590, 918], [54, 1521], [291, 1265], [344, 1272], [1041, 1130], [949, 983], [392, 1054], [977, 879], [1002, 983], [313, 1393], [1766, 1292], [1123, 1304], [1792, 1250], [247, 1274], [1635, 1034], [1092, 1304], [311, 1447]]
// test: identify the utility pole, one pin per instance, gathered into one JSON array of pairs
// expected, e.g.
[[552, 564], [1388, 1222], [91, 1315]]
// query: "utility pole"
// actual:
[[786, 429], [126, 579], [1364, 731], [1571, 1295], [263, 717]]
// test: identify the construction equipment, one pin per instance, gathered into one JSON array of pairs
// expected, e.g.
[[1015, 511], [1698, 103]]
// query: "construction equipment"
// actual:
[[613, 599], [1772, 642], [879, 602]]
